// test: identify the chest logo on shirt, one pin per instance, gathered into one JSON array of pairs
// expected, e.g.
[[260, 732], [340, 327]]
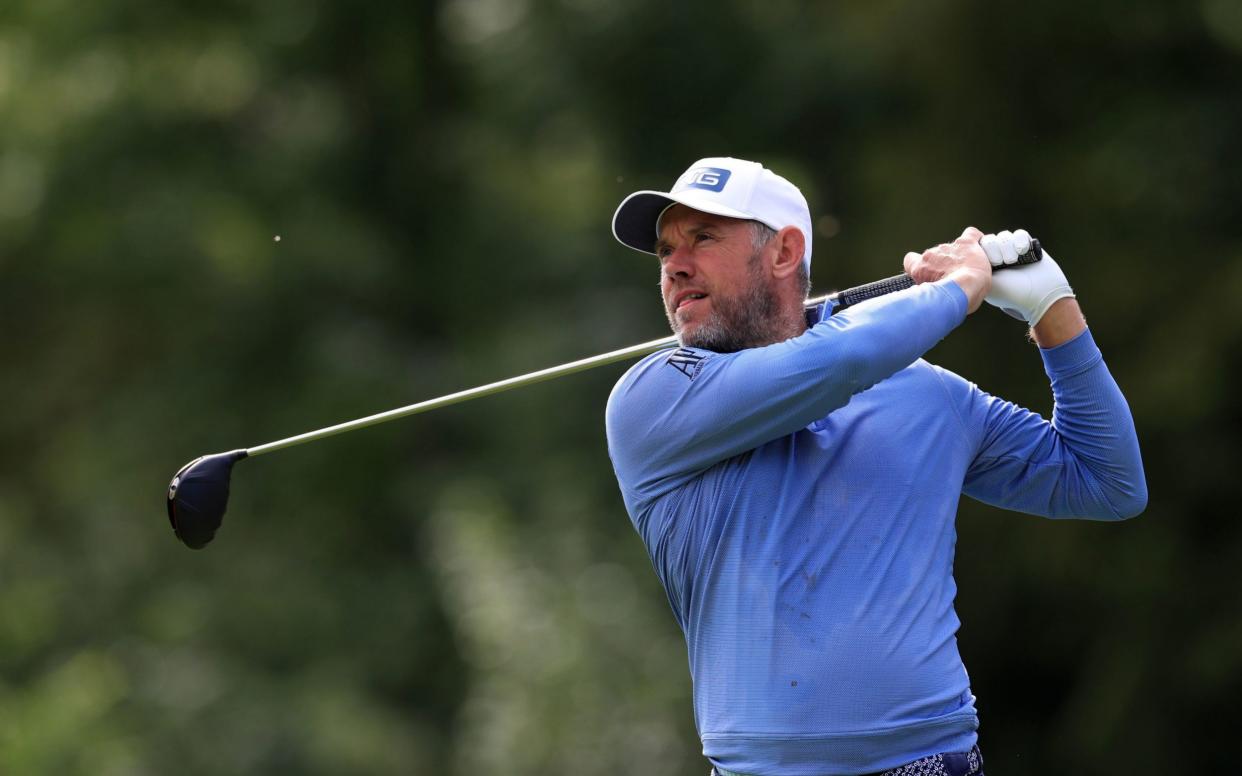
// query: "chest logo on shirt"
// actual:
[[686, 361]]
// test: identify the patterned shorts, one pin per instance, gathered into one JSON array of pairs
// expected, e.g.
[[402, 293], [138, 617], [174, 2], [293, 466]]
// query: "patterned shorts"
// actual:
[[947, 764]]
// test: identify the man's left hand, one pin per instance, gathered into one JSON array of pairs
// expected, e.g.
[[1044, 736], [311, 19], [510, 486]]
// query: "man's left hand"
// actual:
[[1026, 292]]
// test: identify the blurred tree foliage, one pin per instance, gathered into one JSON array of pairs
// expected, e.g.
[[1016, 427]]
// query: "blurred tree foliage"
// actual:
[[462, 592]]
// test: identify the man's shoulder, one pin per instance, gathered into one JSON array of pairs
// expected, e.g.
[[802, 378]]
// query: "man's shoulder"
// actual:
[[681, 362], [945, 381], [656, 382], [927, 369], [920, 370], [920, 380], [632, 378]]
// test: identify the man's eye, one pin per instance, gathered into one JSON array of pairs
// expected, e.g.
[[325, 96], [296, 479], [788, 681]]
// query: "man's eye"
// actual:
[[701, 236]]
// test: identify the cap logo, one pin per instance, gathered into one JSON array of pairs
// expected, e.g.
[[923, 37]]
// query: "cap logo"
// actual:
[[709, 178]]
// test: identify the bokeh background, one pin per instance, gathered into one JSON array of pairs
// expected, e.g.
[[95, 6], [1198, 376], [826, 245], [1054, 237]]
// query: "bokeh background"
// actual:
[[462, 592]]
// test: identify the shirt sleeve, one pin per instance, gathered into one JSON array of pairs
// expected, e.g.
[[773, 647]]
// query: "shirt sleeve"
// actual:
[[1084, 463], [675, 414]]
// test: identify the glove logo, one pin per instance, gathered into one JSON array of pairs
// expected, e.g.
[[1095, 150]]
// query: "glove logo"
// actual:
[[686, 361], [708, 178]]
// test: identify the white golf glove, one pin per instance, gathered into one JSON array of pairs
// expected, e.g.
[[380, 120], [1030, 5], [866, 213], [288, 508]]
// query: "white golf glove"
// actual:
[[1024, 292]]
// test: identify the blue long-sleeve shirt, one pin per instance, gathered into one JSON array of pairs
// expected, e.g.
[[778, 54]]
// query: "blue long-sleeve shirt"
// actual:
[[798, 503]]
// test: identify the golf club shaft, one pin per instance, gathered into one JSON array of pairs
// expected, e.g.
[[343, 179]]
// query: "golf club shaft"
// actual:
[[603, 359], [840, 299], [581, 365], [472, 393]]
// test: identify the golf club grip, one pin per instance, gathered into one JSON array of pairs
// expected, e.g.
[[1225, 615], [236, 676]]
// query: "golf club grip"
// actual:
[[852, 296]]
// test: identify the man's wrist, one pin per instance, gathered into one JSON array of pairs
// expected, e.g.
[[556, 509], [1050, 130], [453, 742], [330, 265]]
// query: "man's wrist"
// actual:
[[1061, 323], [974, 283]]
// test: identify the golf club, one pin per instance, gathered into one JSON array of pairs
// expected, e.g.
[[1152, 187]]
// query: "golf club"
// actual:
[[199, 492]]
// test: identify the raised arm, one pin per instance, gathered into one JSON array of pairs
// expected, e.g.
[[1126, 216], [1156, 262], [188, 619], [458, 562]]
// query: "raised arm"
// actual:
[[1084, 463]]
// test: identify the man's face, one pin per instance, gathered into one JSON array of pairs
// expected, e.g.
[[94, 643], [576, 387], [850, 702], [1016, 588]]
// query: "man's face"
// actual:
[[717, 295]]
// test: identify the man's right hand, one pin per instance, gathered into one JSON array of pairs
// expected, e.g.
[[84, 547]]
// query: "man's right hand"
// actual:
[[962, 261]]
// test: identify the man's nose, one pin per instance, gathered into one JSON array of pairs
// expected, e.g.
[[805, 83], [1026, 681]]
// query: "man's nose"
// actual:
[[679, 263]]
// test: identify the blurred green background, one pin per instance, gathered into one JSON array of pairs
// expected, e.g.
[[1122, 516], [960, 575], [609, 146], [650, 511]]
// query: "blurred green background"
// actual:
[[462, 592]]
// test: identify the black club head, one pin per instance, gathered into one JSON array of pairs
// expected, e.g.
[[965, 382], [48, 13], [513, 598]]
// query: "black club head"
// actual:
[[198, 496]]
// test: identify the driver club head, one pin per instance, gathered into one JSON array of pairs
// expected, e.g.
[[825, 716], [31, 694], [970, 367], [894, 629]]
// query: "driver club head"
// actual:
[[198, 496]]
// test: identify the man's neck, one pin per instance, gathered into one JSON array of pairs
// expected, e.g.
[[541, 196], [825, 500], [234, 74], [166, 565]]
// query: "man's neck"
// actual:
[[794, 321]]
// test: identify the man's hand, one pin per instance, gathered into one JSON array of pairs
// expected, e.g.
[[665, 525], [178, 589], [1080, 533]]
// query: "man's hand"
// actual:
[[1026, 292], [962, 261]]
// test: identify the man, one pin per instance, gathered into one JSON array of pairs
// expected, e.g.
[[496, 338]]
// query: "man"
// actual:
[[795, 477]]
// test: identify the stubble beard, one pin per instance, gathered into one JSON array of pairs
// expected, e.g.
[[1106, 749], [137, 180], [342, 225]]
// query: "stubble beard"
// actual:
[[749, 320]]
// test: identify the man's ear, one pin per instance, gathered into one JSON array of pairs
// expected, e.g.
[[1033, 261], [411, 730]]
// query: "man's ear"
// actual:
[[790, 246]]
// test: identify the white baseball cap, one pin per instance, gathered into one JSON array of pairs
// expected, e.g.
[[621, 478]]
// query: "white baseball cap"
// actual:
[[722, 186]]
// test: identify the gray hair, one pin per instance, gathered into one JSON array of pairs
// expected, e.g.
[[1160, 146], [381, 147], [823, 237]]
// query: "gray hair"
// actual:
[[760, 235]]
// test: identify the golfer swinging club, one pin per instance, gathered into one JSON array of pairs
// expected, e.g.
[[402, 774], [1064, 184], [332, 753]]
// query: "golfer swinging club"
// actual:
[[795, 477]]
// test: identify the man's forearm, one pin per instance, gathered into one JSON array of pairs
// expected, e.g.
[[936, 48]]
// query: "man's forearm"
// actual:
[[1062, 322]]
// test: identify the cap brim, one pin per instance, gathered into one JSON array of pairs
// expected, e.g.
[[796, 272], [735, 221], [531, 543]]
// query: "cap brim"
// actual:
[[636, 222]]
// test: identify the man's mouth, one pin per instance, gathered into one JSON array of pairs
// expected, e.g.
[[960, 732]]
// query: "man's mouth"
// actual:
[[687, 298]]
